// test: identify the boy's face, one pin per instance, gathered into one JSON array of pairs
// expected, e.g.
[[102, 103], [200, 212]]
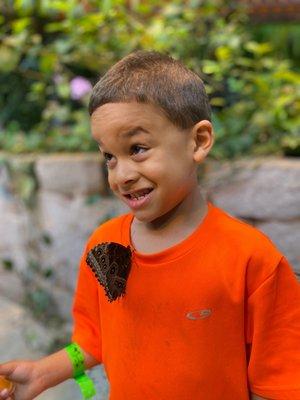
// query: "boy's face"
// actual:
[[151, 165]]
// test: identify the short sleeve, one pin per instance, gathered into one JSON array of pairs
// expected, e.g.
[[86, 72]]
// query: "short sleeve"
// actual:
[[273, 335], [86, 311]]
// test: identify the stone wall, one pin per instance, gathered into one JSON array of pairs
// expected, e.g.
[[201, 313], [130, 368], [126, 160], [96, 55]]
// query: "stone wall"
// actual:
[[45, 222]]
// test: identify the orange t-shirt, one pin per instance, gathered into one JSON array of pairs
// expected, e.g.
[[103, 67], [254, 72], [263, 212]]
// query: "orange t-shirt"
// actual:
[[212, 317]]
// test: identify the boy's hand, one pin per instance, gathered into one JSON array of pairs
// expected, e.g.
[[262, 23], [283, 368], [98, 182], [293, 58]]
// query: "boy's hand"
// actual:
[[33, 377], [23, 374]]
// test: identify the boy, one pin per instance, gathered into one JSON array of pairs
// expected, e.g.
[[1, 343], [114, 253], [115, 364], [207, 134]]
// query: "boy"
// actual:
[[192, 303]]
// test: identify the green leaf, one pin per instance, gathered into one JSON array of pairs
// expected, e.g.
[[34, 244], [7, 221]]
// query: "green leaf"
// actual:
[[20, 24], [9, 59], [223, 53], [48, 62], [258, 48], [106, 5], [24, 6]]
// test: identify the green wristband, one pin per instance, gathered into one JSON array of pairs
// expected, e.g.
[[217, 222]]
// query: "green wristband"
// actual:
[[77, 358]]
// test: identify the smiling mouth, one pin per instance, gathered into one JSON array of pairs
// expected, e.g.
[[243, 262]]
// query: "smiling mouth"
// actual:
[[138, 195]]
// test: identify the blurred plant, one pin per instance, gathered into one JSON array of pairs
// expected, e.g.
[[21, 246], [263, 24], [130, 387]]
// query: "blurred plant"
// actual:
[[284, 37], [52, 51]]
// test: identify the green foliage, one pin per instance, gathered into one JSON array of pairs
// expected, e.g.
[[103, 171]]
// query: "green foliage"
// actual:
[[284, 38], [7, 264], [45, 44]]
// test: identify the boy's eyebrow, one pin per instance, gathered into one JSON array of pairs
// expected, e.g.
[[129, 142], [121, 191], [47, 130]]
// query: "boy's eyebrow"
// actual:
[[134, 131]]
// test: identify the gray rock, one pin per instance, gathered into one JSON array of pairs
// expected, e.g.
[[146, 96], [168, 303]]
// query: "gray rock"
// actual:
[[71, 174], [11, 286], [17, 331], [15, 232], [256, 189]]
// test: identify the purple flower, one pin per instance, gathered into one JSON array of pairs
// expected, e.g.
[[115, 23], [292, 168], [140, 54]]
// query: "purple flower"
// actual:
[[79, 87]]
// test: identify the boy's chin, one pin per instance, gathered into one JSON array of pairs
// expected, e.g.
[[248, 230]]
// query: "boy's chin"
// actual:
[[143, 217], [148, 218]]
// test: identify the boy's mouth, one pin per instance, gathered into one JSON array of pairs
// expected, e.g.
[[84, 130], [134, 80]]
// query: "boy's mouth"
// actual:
[[138, 198], [139, 194]]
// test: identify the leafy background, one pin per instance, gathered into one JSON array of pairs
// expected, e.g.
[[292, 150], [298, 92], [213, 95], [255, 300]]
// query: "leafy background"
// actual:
[[52, 51]]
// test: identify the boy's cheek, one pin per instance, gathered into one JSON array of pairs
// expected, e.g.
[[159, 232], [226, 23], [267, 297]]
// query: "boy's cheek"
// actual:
[[114, 188], [110, 182]]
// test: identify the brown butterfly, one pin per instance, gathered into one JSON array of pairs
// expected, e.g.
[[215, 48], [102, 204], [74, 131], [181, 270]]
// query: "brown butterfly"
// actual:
[[111, 263]]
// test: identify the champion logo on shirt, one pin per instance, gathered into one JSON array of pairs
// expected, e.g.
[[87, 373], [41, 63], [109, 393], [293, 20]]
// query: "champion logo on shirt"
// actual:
[[199, 314]]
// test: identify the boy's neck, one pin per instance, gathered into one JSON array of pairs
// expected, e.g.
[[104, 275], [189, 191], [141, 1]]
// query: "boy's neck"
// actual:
[[170, 229], [188, 214]]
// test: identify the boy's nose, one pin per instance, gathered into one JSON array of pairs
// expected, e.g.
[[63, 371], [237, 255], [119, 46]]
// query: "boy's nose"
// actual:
[[125, 174]]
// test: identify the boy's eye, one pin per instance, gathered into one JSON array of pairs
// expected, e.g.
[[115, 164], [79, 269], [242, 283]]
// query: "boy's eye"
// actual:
[[107, 157], [136, 149]]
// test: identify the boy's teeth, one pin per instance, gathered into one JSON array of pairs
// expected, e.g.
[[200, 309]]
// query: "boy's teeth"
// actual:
[[140, 195], [137, 196]]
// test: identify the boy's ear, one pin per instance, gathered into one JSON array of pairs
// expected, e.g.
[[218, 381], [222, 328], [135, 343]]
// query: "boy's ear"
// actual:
[[202, 136]]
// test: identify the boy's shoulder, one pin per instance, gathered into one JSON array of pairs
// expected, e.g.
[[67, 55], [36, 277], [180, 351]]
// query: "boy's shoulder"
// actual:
[[248, 242], [240, 232], [109, 231]]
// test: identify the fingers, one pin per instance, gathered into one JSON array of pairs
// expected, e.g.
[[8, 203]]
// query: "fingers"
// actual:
[[6, 388], [7, 368], [4, 394]]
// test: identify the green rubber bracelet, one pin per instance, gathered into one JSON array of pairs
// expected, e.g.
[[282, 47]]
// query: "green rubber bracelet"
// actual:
[[85, 383]]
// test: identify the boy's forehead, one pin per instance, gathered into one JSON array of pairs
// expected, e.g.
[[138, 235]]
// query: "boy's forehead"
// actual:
[[125, 119]]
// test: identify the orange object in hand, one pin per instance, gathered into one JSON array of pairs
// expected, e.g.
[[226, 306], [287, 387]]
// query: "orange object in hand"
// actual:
[[6, 384]]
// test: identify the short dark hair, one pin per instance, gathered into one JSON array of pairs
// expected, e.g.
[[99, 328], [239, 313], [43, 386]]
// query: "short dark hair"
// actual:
[[155, 78]]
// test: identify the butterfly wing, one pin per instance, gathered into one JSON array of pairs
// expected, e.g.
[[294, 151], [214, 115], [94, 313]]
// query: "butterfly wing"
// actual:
[[110, 263]]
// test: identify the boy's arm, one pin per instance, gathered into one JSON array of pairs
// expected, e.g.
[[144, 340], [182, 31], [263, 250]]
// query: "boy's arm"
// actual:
[[57, 368], [31, 378]]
